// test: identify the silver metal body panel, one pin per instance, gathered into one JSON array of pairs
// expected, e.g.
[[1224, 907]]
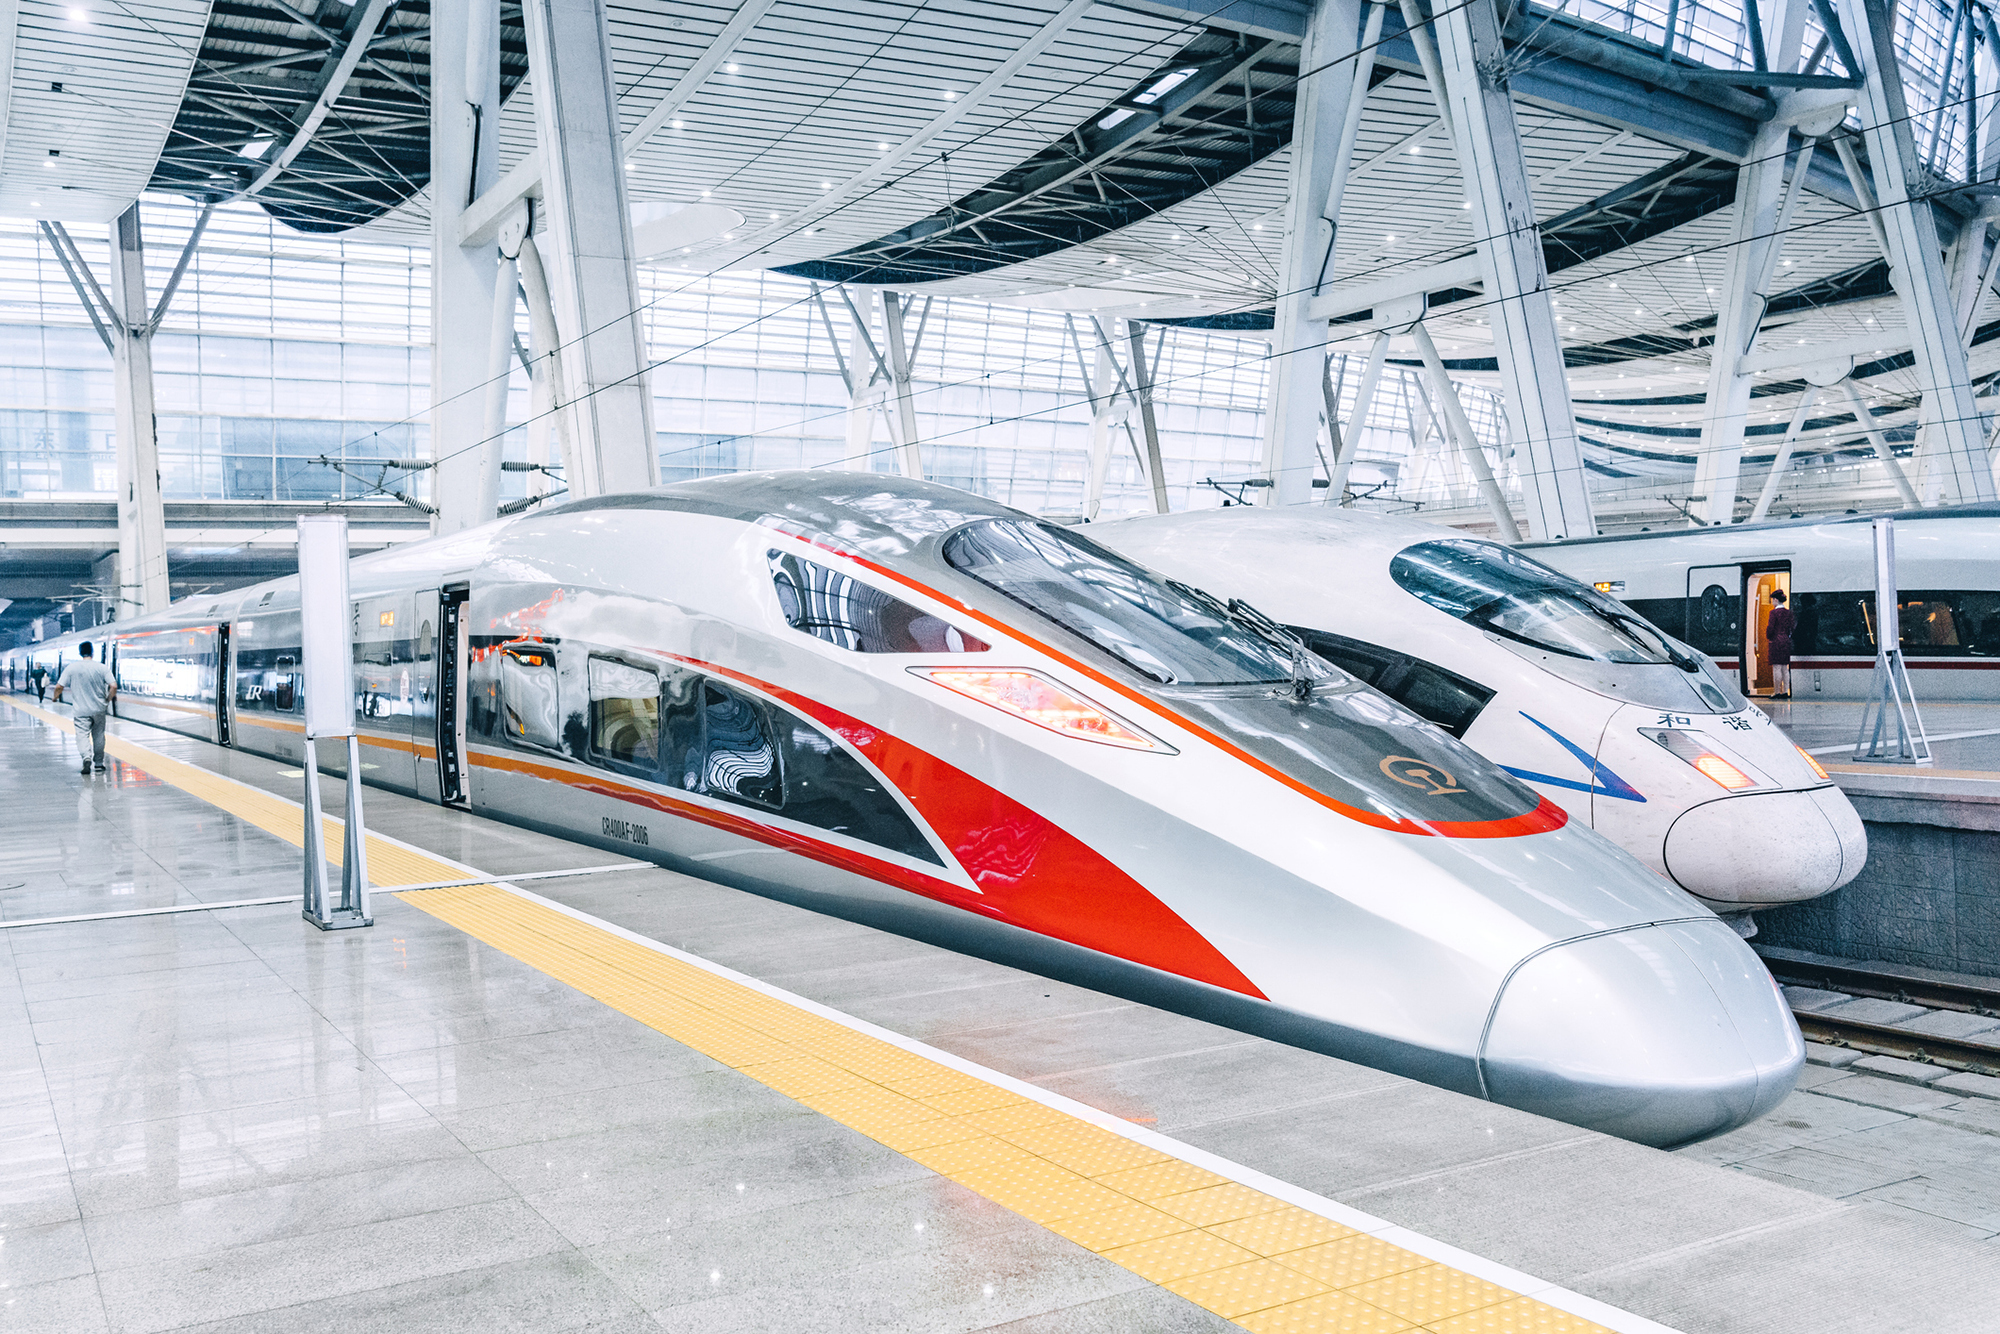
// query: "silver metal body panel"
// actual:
[[1329, 569], [1352, 929]]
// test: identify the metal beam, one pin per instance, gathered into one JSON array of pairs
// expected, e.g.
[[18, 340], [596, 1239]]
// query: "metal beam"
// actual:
[[1334, 65], [333, 79], [465, 281], [483, 217], [1911, 230], [1534, 384], [596, 288], [142, 520]]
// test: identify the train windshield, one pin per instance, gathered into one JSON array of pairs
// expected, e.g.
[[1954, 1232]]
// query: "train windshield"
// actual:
[[1505, 592], [1174, 634]]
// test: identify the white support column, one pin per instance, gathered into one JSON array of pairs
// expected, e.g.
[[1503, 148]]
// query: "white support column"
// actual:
[[1357, 421], [1468, 439], [1756, 236], [1783, 461], [1866, 420], [902, 349], [595, 286], [499, 370], [465, 148], [1326, 116], [142, 518], [547, 350], [1916, 267], [1534, 385], [867, 375], [1142, 388]]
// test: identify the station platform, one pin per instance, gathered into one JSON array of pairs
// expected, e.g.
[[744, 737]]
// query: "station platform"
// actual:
[[635, 1100]]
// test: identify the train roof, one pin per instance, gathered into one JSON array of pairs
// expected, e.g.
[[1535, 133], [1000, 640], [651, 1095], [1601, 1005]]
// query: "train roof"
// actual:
[[1981, 510]]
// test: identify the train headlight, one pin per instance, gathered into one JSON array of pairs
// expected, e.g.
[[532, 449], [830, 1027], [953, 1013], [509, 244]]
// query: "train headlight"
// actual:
[[1723, 772], [1042, 702], [1814, 764], [1721, 769]]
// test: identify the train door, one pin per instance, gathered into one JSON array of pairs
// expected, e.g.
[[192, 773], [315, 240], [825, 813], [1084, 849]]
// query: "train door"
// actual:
[[453, 789], [1760, 584], [225, 687], [1715, 612]]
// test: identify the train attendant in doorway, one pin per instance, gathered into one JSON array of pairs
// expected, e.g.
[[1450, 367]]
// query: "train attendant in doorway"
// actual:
[[1778, 633]]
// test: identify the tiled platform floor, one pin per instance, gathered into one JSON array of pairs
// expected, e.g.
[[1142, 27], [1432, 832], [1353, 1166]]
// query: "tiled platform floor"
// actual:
[[232, 1122]]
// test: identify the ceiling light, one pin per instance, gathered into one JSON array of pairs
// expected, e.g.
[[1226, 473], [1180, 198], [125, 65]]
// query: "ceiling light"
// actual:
[[628, 166], [255, 149], [1256, 226], [730, 68], [1117, 117], [950, 95], [774, 217], [679, 124], [1165, 85], [826, 185], [79, 16], [1614, 286], [881, 148], [706, 193]]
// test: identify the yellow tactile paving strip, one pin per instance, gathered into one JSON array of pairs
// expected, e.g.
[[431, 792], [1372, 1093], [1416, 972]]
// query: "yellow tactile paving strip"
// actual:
[[1262, 1262]]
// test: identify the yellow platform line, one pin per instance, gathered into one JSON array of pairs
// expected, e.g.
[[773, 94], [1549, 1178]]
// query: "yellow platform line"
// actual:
[[1139, 1199]]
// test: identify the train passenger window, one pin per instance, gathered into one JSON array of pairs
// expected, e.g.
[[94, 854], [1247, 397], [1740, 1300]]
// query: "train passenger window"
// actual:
[[829, 605], [424, 642], [717, 741], [530, 709], [1495, 589], [624, 714], [1165, 630], [739, 763]]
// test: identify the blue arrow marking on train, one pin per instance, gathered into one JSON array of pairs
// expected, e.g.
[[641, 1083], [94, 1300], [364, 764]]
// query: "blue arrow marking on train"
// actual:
[[1603, 781]]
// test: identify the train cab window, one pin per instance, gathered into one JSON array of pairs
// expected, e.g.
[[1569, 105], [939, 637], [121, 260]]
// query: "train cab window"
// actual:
[[829, 605], [1164, 630], [1431, 692], [1503, 591], [624, 715], [529, 704]]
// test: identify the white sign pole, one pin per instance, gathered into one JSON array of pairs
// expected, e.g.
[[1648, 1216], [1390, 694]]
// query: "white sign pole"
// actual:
[[1891, 701], [326, 657]]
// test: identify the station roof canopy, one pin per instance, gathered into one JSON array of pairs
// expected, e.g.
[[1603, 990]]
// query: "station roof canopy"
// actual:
[[1122, 159]]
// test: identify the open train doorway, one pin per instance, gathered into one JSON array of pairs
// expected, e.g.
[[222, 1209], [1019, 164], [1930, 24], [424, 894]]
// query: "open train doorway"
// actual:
[[1765, 589], [450, 649]]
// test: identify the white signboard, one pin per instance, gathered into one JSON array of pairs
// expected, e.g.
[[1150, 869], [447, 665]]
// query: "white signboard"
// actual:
[[327, 656]]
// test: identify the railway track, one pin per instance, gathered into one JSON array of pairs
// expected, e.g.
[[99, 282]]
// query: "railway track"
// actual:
[[1979, 1053]]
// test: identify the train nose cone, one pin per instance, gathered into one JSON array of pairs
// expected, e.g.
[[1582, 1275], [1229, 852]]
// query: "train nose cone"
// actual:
[[1767, 847], [1660, 1034]]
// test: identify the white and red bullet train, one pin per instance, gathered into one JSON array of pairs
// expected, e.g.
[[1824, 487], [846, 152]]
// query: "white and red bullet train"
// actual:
[[1712, 587], [1625, 728], [909, 706]]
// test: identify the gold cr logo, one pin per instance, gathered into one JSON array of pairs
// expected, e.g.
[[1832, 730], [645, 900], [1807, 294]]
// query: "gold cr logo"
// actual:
[[1436, 782]]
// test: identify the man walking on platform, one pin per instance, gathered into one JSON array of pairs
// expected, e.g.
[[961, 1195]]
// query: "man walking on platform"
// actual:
[[91, 684]]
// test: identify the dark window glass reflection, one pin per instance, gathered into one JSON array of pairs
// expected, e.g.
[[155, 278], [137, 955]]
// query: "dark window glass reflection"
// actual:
[[1165, 630], [829, 605]]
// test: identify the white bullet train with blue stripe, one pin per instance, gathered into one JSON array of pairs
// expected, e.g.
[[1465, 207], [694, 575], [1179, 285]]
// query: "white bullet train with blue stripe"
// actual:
[[907, 705], [1625, 727]]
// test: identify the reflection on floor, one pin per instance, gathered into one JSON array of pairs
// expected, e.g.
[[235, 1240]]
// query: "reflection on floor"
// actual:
[[1963, 736]]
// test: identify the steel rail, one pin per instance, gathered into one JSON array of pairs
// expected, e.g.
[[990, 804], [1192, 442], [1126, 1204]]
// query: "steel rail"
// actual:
[[1887, 1040], [1885, 984]]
